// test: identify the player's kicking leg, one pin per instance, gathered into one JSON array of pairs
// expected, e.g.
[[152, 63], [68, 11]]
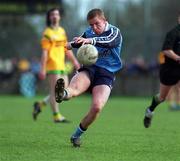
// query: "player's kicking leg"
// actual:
[[156, 100], [79, 84], [100, 96]]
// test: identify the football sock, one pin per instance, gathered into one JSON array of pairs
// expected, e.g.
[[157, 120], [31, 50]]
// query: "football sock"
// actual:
[[155, 102], [79, 131], [66, 94], [172, 104], [57, 116], [42, 104], [45, 100]]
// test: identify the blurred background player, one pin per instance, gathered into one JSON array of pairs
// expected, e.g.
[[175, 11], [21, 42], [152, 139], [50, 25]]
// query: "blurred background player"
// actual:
[[98, 77], [174, 97], [169, 70], [53, 62]]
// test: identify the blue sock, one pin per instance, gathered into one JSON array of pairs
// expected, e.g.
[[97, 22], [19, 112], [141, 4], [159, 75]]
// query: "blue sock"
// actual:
[[79, 131]]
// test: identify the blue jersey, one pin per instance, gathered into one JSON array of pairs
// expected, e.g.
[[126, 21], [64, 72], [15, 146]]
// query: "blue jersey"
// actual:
[[109, 45]]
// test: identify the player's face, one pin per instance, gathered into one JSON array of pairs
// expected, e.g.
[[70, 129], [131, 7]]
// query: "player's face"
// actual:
[[98, 24], [54, 17]]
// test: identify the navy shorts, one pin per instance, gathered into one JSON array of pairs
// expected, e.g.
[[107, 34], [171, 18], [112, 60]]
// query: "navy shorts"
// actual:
[[99, 76]]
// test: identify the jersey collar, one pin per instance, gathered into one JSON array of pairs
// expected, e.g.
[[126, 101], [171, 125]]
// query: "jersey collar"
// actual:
[[107, 27]]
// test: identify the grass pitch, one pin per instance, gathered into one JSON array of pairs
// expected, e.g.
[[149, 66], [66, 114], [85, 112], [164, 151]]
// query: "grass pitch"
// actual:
[[117, 135]]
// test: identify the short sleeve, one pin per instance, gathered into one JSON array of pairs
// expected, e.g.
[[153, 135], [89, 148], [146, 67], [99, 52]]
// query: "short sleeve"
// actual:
[[45, 41], [169, 40]]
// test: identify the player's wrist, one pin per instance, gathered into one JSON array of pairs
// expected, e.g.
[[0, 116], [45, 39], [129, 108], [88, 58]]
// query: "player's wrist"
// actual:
[[93, 41], [69, 45], [178, 59], [90, 41]]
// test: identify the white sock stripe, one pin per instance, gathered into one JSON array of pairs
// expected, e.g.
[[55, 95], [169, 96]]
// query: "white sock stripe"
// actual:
[[46, 99], [65, 93], [80, 129]]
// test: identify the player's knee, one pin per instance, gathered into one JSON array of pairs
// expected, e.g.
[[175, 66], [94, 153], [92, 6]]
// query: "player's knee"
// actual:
[[75, 92], [52, 98], [97, 107], [162, 99], [96, 110]]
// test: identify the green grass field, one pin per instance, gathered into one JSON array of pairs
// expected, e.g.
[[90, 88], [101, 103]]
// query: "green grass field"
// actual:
[[117, 135]]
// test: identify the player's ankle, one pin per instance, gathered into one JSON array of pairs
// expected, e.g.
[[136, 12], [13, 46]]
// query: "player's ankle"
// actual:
[[66, 95]]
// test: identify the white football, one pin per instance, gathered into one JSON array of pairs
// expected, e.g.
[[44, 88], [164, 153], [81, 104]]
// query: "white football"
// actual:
[[87, 54]]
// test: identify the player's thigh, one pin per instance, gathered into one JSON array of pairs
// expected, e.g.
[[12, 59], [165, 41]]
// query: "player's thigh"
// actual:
[[52, 78], [178, 89], [170, 95], [100, 95], [80, 81], [178, 86], [164, 90]]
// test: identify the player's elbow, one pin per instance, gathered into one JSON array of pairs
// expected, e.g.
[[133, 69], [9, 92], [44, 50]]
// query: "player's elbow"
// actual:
[[108, 45], [166, 52], [114, 43]]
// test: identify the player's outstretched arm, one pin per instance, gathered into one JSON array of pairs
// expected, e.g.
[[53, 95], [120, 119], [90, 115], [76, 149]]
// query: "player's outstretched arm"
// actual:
[[42, 73], [77, 42], [73, 44]]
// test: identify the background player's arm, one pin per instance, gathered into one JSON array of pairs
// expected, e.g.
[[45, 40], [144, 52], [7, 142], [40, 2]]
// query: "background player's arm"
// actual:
[[45, 45], [171, 54], [44, 57], [72, 58], [70, 55]]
